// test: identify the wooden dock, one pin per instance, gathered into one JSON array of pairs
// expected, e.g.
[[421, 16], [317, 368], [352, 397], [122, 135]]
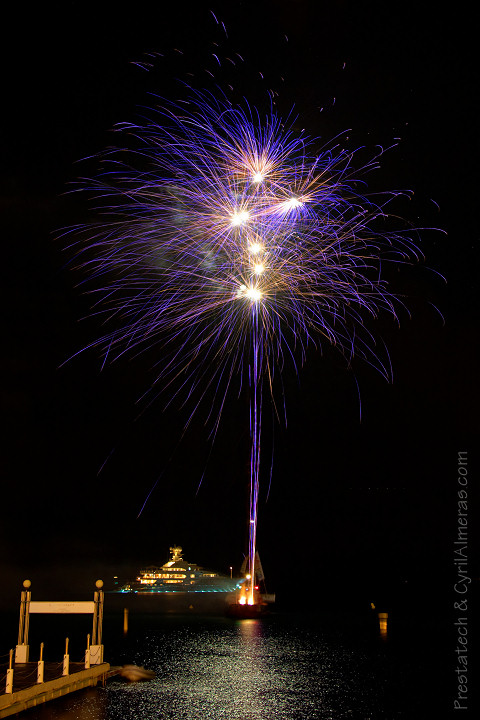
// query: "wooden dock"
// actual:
[[28, 693]]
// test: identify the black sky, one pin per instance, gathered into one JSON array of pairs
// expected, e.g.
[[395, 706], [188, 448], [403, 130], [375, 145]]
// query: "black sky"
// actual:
[[371, 500]]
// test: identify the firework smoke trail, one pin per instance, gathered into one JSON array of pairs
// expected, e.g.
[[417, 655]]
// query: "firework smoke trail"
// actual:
[[227, 241], [255, 432]]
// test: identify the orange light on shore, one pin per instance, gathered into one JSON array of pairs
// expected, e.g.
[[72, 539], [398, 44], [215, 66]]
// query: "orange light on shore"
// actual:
[[383, 623]]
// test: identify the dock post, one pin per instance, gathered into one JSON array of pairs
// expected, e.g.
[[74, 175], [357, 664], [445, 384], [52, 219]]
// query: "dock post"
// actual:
[[9, 685], [87, 653], [96, 648], [66, 660], [22, 649], [41, 666]]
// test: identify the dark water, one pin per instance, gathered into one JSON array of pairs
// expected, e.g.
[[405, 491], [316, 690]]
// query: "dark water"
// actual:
[[282, 667]]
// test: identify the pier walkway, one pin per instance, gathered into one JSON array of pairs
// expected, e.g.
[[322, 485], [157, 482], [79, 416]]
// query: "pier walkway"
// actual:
[[27, 692]]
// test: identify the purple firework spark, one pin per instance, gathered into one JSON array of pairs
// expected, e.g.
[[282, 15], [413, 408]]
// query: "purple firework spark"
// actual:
[[228, 240]]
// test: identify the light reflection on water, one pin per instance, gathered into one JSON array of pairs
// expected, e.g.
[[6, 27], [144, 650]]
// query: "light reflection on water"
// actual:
[[219, 669], [242, 671]]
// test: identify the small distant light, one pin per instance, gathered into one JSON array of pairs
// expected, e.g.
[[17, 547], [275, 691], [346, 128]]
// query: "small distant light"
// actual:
[[258, 177], [248, 577], [240, 218]]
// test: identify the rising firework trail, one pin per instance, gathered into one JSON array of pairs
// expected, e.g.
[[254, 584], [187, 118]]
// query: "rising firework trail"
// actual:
[[230, 243]]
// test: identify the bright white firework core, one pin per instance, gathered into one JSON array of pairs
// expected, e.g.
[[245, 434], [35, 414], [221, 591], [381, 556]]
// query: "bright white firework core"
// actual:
[[254, 294], [255, 248], [258, 268], [240, 218], [258, 177], [291, 204]]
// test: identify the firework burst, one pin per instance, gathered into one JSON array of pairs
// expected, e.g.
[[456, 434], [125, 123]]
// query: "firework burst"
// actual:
[[229, 241]]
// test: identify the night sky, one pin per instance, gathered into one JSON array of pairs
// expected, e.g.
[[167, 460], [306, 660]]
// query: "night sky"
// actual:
[[354, 506]]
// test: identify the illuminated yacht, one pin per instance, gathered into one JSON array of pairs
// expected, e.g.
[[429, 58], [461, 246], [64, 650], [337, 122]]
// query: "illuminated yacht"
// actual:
[[179, 576]]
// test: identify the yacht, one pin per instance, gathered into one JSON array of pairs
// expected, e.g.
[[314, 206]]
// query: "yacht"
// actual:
[[179, 575], [179, 585]]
